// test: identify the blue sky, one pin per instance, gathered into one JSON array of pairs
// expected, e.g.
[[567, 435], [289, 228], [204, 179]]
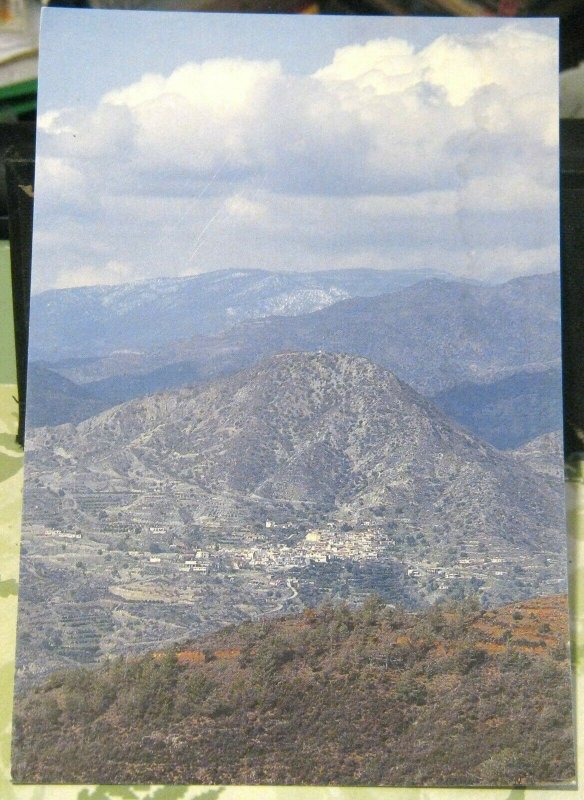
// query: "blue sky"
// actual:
[[172, 143], [116, 45]]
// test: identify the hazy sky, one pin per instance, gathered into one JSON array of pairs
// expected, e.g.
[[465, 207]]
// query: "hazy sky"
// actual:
[[172, 144]]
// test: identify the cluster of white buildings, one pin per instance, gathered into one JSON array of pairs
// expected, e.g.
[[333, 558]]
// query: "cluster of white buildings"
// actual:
[[322, 544], [57, 533]]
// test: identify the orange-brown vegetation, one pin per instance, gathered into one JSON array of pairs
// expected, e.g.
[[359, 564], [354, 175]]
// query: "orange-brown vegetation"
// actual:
[[185, 657], [190, 657], [453, 695], [227, 653]]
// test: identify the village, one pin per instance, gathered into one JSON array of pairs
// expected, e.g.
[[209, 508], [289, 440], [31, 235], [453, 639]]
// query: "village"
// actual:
[[137, 569], [280, 551]]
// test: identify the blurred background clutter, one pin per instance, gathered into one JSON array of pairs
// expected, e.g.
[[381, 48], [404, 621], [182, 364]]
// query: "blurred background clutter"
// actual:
[[19, 24]]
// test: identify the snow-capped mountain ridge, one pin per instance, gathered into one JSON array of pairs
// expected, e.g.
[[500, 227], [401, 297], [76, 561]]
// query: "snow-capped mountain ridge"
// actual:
[[97, 320]]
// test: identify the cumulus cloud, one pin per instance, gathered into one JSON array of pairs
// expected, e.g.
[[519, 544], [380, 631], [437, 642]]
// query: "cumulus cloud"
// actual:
[[62, 182], [385, 155], [242, 207], [109, 273]]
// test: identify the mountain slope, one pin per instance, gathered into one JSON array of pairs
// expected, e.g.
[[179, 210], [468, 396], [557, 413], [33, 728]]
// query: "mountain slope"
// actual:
[[544, 454], [335, 431], [509, 411], [433, 335], [96, 320], [53, 399], [364, 697]]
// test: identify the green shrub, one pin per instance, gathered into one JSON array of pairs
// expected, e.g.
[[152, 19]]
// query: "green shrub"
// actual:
[[411, 692], [468, 658]]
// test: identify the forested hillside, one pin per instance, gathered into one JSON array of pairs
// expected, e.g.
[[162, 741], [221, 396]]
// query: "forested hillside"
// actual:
[[375, 696]]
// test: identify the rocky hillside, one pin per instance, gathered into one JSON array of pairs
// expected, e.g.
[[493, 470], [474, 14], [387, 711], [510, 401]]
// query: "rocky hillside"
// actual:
[[544, 454], [374, 696], [333, 431]]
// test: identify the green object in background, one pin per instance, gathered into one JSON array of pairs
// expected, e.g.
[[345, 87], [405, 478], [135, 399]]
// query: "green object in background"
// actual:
[[7, 360], [17, 99]]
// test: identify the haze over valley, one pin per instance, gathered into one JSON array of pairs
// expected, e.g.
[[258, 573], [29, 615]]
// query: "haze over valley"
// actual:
[[479, 352], [290, 460]]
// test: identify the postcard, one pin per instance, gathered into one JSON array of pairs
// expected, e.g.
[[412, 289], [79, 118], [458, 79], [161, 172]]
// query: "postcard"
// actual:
[[294, 507]]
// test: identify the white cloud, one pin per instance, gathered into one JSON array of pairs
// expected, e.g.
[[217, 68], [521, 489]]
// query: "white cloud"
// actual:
[[200, 115], [388, 156], [112, 272], [508, 193], [380, 116], [381, 67], [246, 209], [65, 187], [58, 175], [514, 58], [498, 263]]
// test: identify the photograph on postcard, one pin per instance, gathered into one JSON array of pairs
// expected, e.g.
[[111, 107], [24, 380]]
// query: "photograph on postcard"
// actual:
[[294, 505]]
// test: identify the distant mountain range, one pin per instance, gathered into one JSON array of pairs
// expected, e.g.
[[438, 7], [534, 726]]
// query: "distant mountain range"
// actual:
[[333, 431], [434, 335], [510, 411], [97, 320], [488, 355]]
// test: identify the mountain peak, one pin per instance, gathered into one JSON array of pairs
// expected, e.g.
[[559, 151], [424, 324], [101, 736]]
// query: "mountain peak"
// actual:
[[345, 365], [329, 429]]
